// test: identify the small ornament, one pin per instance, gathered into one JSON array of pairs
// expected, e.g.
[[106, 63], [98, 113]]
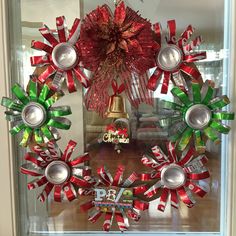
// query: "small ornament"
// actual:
[[62, 56], [33, 113], [56, 171], [113, 134], [113, 197], [117, 45], [116, 107], [174, 57], [176, 177], [197, 113], [117, 133]]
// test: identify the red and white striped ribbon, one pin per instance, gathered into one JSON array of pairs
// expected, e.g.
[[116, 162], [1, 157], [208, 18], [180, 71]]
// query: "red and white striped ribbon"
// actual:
[[62, 29], [68, 150], [48, 35]]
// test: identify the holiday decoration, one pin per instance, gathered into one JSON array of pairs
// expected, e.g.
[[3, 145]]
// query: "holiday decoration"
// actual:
[[119, 45], [174, 57], [118, 49], [116, 135], [116, 107], [62, 56], [113, 197], [57, 171], [197, 114], [33, 113], [176, 177]]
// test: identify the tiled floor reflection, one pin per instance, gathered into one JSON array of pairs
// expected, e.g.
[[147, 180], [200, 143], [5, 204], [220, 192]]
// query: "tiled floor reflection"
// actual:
[[205, 216]]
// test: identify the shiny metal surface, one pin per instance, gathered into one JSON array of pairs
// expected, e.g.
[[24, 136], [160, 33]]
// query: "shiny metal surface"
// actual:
[[169, 58], [57, 172], [34, 115], [198, 116], [116, 107], [173, 176], [64, 56]]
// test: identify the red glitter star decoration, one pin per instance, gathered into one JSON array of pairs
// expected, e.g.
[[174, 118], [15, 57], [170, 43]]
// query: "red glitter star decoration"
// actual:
[[117, 45]]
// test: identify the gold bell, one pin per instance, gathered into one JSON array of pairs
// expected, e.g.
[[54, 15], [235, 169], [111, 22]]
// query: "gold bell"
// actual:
[[116, 108]]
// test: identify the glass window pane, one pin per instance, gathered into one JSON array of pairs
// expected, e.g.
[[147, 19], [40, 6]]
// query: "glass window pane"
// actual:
[[208, 19]]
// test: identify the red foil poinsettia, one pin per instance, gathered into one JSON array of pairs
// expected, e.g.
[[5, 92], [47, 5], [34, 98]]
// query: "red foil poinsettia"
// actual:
[[116, 45], [175, 57], [62, 56]]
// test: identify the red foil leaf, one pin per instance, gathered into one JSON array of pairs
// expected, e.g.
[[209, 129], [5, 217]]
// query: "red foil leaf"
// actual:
[[133, 30], [104, 14], [134, 44], [120, 14]]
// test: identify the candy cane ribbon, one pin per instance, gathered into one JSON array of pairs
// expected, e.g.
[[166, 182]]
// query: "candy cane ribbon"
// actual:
[[186, 197], [108, 221], [130, 180], [118, 176], [86, 206], [47, 189], [37, 183], [171, 25], [153, 190], [69, 150], [29, 169], [163, 199], [105, 176], [154, 79], [81, 159], [95, 216], [122, 221], [159, 154], [140, 205]]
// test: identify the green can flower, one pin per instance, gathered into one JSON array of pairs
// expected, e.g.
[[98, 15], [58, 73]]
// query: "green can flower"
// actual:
[[197, 113], [32, 113]]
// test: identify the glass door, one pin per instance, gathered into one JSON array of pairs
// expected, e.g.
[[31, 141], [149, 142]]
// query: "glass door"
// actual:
[[146, 126]]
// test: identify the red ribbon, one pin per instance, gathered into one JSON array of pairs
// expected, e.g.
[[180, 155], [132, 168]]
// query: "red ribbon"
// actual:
[[118, 176], [163, 199], [117, 89], [68, 190], [139, 205], [68, 151]]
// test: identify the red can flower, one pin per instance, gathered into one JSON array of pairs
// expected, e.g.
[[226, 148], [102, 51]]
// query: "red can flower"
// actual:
[[176, 177], [174, 57], [57, 171], [62, 56]]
